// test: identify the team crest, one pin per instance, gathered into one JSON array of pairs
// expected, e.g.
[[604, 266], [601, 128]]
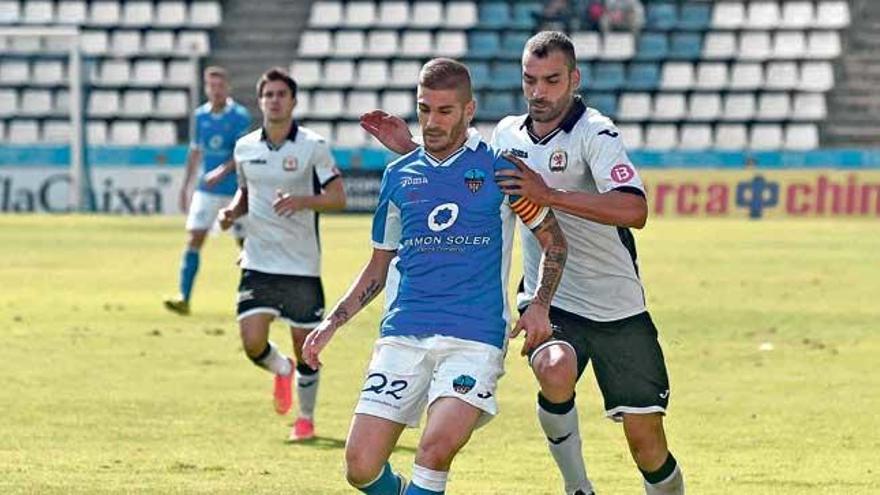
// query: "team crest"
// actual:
[[463, 384], [290, 164], [558, 160], [474, 178]]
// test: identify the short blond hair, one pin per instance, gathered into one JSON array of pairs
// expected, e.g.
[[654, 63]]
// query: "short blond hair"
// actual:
[[215, 71]]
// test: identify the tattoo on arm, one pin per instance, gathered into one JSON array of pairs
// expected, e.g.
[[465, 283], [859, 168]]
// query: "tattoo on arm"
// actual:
[[369, 293], [555, 250], [349, 306]]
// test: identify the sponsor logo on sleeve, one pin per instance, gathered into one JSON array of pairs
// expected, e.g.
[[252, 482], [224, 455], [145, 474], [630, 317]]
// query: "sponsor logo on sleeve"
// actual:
[[622, 173]]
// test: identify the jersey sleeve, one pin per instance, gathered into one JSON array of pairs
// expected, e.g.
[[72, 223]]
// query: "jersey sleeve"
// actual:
[[611, 167], [527, 210], [196, 137], [386, 220], [325, 165], [244, 121], [239, 169]]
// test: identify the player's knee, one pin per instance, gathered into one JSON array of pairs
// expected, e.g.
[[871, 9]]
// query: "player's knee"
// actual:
[[360, 468], [647, 442], [436, 453], [252, 347], [556, 371]]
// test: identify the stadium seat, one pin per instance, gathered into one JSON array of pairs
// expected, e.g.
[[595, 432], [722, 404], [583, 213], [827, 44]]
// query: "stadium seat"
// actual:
[[615, 46], [170, 14], [315, 44], [72, 12], [728, 15], [125, 132], [159, 42], [496, 104], [61, 102], [762, 15], [56, 131], [587, 45], [327, 104], [125, 43], [399, 103], [326, 14], [337, 74], [796, 15], [746, 75], [685, 46], [695, 16], [719, 46], [765, 137], [669, 107], [172, 103], [374, 74], [731, 136], [348, 44], [10, 12], [809, 106], [137, 103], [461, 15], [307, 73], [494, 15], [193, 42], [451, 44], [789, 45], [360, 102], [525, 14], [711, 75], [360, 14], [324, 129], [661, 137], [350, 134], [677, 75], [483, 44], [754, 45], [393, 14], [739, 107], [816, 76], [160, 133], [586, 74], [382, 43], [632, 135], [634, 107], [14, 71], [48, 72], [115, 72], [205, 14], [643, 76], [695, 137], [426, 14], [505, 76], [607, 76], [417, 44], [606, 103], [38, 12], [25, 44], [660, 16], [104, 13], [512, 43], [404, 73], [704, 107], [773, 106], [94, 42], [303, 105], [823, 45], [96, 132], [103, 103], [147, 72], [481, 75], [782, 75], [23, 131], [137, 13], [8, 102], [832, 14], [801, 137], [180, 73], [652, 47]]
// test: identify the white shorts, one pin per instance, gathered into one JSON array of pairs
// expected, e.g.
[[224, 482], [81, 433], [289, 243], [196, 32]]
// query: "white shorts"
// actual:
[[203, 211], [406, 374]]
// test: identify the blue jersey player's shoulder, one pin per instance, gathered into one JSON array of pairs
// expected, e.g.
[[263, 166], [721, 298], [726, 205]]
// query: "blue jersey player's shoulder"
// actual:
[[203, 109]]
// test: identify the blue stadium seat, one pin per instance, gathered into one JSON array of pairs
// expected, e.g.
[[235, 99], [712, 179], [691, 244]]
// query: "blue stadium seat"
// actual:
[[652, 46], [483, 44], [685, 46], [586, 74], [607, 76], [524, 14], [695, 16], [603, 102], [512, 43], [661, 16], [506, 75], [480, 75], [496, 104], [494, 15], [644, 76]]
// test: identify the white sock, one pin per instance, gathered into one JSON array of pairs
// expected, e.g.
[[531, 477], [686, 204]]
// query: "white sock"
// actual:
[[273, 360], [560, 425], [306, 390], [429, 479], [671, 484]]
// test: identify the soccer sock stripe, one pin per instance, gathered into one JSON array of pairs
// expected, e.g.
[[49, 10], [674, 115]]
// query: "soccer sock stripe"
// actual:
[[384, 484], [189, 267], [667, 480], [271, 359], [427, 481], [560, 424], [662, 472]]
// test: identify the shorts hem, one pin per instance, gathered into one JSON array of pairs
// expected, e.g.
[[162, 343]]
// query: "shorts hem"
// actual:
[[258, 311], [616, 414], [382, 414], [306, 326]]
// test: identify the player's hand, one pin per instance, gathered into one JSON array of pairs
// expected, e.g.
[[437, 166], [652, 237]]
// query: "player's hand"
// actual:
[[390, 130], [523, 182], [226, 217], [536, 323], [315, 342], [286, 205], [183, 199], [214, 176]]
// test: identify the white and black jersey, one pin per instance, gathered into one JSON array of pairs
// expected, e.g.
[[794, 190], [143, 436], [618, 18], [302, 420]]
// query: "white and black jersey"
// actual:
[[585, 153], [301, 166]]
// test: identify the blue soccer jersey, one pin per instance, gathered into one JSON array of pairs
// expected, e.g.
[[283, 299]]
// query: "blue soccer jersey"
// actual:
[[215, 135], [452, 228]]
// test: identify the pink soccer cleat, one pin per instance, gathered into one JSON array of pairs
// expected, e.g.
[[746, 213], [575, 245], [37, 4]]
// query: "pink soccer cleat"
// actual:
[[303, 429], [283, 394]]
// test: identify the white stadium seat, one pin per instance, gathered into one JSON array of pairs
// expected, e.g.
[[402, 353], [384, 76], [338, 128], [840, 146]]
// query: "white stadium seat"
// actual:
[[618, 46], [8, 102], [426, 14], [125, 42], [404, 73], [56, 131], [754, 45], [148, 73], [94, 42], [661, 137], [73, 12], [193, 42], [326, 14], [747, 76], [137, 103], [180, 73], [307, 73], [809, 106], [96, 132], [115, 72], [400, 103], [14, 71], [172, 103], [711, 75], [801, 137], [170, 14], [205, 14], [382, 43], [303, 104], [450, 44], [719, 46], [328, 104], [393, 14], [137, 13], [48, 72], [677, 75], [762, 15], [25, 44], [61, 102], [104, 13], [159, 42], [338, 73], [360, 14], [38, 12], [728, 15], [324, 129], [765, 137], [704, 107], [695, 137], [417, 44], [631, 134], [739, 106], [159, 133], [125, 132], [103, 103], [350, 134], [731, 136], [781, 75], [587, 45], [634, 107], [22, 131], [823, 45], [773, 106], [789, 44], [315, 43], [461, 15], [796, 15], [349, 44], [372, 74], [669, 107], [816, 76], [832, 14], [10, 12]]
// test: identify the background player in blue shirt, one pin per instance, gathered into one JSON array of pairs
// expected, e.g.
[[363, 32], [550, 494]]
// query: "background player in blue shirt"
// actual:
[[218, 124], [442, 238]]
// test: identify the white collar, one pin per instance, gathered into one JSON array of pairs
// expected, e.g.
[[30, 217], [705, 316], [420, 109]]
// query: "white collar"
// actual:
[[472, 143]]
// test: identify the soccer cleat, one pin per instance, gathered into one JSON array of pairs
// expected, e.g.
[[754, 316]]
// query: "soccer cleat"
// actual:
[[303, 429], [177, 305], [283, 394]]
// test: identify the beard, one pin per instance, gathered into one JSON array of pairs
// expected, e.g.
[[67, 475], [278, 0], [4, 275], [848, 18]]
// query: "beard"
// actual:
[[548, 110], [452, 137]]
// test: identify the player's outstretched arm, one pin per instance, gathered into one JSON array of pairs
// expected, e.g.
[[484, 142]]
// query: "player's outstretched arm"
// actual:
[[365, 288], [554, 251], [390, 130], [216, 174]]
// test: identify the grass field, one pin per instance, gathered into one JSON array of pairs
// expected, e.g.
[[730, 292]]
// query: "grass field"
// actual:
[[102, 391]]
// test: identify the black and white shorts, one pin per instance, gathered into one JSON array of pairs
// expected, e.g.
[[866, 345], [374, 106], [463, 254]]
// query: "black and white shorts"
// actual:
[[627, 360], [296, 300]]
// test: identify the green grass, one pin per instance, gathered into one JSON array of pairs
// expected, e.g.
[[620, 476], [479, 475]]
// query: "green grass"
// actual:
[[102, 391]]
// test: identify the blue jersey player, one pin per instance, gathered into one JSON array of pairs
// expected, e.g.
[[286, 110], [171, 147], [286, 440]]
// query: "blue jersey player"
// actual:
[[441, 245], [218, 124]]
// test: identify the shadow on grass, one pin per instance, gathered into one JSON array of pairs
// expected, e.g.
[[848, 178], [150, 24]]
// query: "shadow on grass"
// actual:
[[329, 443]]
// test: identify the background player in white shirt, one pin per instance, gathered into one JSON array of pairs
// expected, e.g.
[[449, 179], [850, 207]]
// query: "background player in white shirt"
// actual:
[[286, 176], [599, 310]]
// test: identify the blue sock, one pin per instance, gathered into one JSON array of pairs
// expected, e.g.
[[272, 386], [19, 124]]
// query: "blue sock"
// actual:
[[414, 489], [386, 484], [189, 266]]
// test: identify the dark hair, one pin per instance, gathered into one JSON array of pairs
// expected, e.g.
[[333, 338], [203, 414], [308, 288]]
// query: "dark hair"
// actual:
[[276, 74], [445, 73], [546, 42], [215, 71]]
